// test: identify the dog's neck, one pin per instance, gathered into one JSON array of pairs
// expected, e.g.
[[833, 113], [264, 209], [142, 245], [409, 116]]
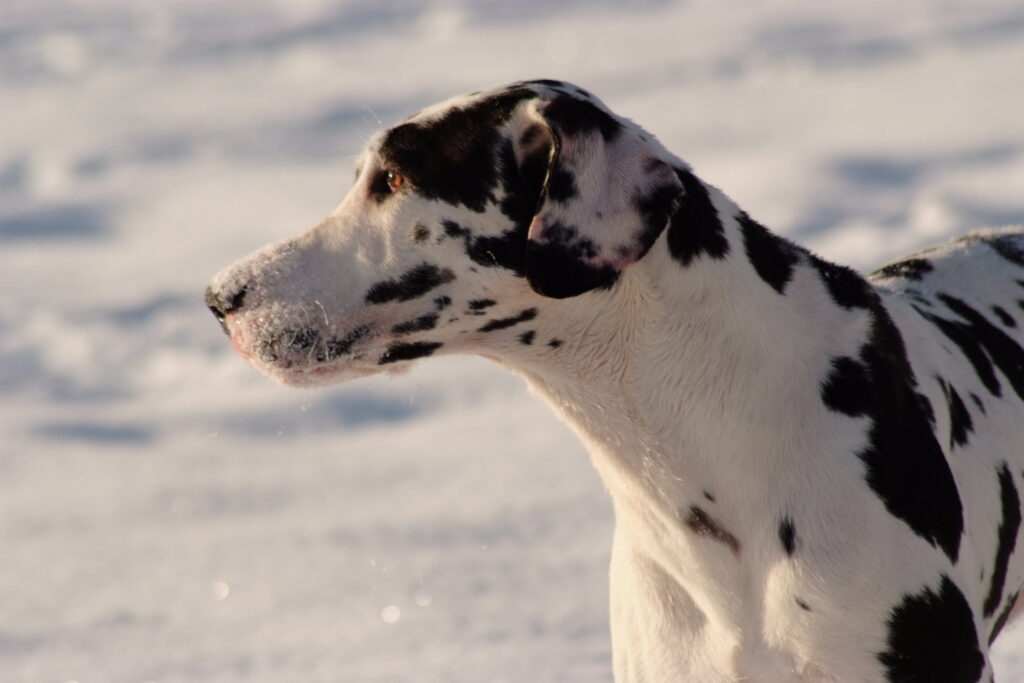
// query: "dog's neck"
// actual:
[[665, 371], [687, 383]]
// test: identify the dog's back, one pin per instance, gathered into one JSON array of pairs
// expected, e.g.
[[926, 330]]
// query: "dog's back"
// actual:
[[960, 307]]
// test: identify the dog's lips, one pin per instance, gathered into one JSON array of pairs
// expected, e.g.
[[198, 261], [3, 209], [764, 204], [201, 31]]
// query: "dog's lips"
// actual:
[[294, 367], [236, 343], [236, 335], [321, 373], [295, 350]]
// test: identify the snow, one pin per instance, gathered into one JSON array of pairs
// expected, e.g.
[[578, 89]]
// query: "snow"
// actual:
[[168, 515]]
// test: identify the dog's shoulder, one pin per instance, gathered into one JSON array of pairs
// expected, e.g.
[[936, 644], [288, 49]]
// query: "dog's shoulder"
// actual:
[[960, 309]]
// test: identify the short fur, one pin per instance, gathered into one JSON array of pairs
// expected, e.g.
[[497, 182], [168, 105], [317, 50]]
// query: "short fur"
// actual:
[[816, 476]]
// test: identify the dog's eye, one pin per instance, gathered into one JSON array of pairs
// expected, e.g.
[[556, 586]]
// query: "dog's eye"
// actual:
[[395, 181]]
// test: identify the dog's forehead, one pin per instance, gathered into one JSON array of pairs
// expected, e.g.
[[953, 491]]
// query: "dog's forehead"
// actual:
[[453, 151], [476, 105]]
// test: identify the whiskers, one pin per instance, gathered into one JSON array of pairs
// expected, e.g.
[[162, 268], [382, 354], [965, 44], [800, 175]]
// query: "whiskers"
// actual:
[[306, 338]]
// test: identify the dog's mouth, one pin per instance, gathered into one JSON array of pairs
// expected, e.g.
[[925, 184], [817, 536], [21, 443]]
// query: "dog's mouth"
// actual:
[[303, 355], [306, 346]]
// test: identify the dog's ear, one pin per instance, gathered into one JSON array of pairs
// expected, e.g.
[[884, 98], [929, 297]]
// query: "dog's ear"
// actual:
[[605, 197]]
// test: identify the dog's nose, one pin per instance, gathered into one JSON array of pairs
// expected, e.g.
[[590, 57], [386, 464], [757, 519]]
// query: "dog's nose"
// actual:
[[221, 305]]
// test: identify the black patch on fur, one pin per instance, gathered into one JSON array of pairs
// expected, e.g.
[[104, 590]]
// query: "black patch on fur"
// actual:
[[442, 302], [708, 496], [1004, 615], [420, 233], [977, 402], [522, 185], [772, 257], [402, 351], [905, 464], [535, 134], [522, 178], [561, 264], [561, 185], [555, 343], [702, 524], [424, 322], [961, 335], [917, 296], [481, 304], [910, 269], [573, 116], [803, 605], [453, 229], [1004, 317], [505, 251], [527, 337], [927, 410], [453, 158], [847, 389], [523, 174], [656, 208], [569, 237], [695, 229], [557, 268], [982, 344], [1008, 528], [960, 423], [932, 639], [848, 289], [339, 347], [787, 534], [503, 323], [412, 284]]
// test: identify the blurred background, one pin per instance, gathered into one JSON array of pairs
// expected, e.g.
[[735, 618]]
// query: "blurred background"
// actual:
[[167, 515]]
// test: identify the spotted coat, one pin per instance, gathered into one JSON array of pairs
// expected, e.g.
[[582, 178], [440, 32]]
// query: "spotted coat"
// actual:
[[816, 475]]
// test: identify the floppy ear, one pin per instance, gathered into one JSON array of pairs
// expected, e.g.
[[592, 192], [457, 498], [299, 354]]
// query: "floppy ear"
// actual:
[[605, 199]]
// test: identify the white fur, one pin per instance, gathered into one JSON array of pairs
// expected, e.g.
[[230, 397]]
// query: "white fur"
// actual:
[[682, 382]]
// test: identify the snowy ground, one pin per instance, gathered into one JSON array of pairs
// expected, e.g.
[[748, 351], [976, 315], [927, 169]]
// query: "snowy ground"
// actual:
[[166, 515]]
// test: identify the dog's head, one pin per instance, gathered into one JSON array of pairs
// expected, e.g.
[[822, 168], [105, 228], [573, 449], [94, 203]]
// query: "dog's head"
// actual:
[[462, 222]]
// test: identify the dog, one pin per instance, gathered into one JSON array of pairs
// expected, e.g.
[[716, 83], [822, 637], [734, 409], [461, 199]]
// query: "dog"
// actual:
[[815, 475]]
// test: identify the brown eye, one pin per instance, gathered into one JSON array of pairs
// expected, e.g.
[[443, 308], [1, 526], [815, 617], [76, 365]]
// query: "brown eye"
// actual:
[[395, 181]]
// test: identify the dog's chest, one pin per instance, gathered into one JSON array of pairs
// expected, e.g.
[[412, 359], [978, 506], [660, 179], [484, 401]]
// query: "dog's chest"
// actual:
[[788, 507]]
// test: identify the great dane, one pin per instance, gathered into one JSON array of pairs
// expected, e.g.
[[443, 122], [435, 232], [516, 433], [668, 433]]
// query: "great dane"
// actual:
[[815, 475]]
